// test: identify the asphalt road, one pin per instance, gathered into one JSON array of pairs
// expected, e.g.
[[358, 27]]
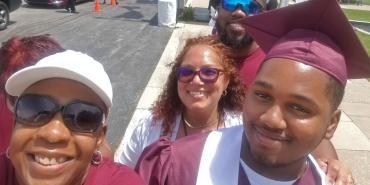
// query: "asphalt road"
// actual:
[[125, 38]]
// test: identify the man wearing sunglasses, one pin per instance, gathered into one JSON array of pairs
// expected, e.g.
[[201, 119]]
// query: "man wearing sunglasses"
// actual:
[[233, 34]]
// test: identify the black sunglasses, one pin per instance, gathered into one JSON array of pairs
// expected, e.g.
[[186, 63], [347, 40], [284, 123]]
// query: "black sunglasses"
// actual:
[[38, 110], [206, 74]]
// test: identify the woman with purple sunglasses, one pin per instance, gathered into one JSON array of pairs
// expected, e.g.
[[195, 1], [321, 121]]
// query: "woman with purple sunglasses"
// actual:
[[60, 123], [203, 93]]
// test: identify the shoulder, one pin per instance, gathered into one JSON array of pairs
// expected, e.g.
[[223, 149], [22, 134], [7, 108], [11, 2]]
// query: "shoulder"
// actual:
[[144, 125], [7, 175], [111, 173]]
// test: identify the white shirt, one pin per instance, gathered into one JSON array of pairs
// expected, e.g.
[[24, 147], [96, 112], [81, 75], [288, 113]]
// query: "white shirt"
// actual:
[[258, 179], [148, 131], [219, 168]]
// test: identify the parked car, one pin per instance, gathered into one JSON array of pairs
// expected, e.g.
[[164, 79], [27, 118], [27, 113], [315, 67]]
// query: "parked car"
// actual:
[[7, 6], [55, 3]]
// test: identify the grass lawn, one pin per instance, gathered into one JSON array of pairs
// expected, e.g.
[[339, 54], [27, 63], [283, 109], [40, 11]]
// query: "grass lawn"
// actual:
[[366, 2], [359, 15], [365, 39]]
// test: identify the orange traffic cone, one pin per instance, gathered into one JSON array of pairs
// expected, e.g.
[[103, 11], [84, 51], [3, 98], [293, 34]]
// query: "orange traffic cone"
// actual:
[[113, 2], [97, 6]]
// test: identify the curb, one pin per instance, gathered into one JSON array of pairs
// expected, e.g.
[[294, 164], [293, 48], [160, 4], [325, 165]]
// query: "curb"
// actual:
[[357, 22]]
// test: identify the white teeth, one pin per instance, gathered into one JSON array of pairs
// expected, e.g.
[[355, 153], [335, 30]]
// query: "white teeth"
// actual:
[[62, 160], [49, 161], [196, 93]]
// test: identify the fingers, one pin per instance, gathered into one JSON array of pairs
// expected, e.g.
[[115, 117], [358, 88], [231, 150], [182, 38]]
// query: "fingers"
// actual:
[[323, 163], [337, 173], [332, 172], [345, 178]]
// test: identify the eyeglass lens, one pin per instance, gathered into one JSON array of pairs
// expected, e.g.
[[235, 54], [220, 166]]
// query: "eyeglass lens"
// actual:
[[37, 110], [206, 74]]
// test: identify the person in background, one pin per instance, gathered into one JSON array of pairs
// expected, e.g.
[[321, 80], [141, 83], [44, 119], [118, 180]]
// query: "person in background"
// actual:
[[289, 108], [203, 93], [60, 122], [15, 54], [71, 6]]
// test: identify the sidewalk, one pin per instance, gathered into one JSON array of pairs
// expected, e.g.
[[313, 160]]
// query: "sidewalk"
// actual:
[[355, 7]]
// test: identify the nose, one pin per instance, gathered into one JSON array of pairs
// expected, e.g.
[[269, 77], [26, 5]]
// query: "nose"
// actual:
[[238, 13], [273, 118], [54, 132], [196, 79]]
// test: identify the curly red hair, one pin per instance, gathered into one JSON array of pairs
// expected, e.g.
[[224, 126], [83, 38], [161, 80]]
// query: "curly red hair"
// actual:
[[169, 104], [20, 52]]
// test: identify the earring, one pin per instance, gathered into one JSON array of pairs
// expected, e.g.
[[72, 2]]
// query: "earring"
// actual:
[[97, 158], [7, 153], [224, 93]]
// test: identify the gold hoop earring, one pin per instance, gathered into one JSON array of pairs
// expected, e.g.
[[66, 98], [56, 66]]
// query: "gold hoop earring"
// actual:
[[224, 93], [97, 158]]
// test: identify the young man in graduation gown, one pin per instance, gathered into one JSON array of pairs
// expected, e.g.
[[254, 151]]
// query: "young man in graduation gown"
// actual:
[[291, 106], [250, 56]]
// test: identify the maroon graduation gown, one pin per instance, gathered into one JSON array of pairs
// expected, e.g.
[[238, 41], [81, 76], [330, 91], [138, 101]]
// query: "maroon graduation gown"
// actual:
[[177, 162], [107, 173]]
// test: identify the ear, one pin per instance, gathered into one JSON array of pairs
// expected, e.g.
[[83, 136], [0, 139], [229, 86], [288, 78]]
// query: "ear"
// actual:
[[103, 144], [227, 81], [10, 103], [101, 135], [334, 121]]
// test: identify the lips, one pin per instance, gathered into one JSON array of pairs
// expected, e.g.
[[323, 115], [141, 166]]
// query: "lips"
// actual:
[[269, 139], [48, 161], [196, 94], [236, 27], [48, 164]]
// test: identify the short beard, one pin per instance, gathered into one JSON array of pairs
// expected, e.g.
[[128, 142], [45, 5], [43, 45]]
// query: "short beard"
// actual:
[[245, 42]]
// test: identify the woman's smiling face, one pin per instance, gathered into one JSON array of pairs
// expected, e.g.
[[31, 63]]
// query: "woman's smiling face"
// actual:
[[51, 153], [197, 95]]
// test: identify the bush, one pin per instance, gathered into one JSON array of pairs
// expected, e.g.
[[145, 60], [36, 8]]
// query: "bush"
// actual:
[[187, 14]]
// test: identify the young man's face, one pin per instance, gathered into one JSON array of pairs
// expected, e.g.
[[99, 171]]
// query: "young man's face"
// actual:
[[287, 112], [231, 32]]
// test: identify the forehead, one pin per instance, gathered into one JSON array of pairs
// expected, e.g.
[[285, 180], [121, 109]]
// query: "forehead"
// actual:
[[201, 55], [292, 77], [64, 91]]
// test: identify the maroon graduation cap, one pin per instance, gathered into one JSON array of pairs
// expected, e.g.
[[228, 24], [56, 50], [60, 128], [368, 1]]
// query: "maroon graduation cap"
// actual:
[[315, 32]]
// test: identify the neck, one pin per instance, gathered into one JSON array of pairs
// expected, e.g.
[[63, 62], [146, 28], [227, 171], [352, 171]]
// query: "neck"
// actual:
[[203, 119], [279, 172], [246, 51]]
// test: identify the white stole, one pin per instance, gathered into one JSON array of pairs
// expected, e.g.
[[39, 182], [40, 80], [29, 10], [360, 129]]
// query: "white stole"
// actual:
[[219, 164]]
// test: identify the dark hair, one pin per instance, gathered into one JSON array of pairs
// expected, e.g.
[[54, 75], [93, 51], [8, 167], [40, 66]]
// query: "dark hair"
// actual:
[[169, 104], [18, 52], [272, 4], [335, 92]]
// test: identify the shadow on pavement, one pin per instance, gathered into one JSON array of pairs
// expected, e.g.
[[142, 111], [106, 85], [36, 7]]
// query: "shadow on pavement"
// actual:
[[132, 13], [39, 6], [147, 1], [152, 22], [11, 22]]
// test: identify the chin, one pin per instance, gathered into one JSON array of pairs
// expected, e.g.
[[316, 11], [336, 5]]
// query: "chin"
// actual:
[[266, 160], [47, 182]]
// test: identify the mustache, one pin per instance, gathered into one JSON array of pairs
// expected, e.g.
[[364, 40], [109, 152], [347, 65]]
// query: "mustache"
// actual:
[[246, 41]]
